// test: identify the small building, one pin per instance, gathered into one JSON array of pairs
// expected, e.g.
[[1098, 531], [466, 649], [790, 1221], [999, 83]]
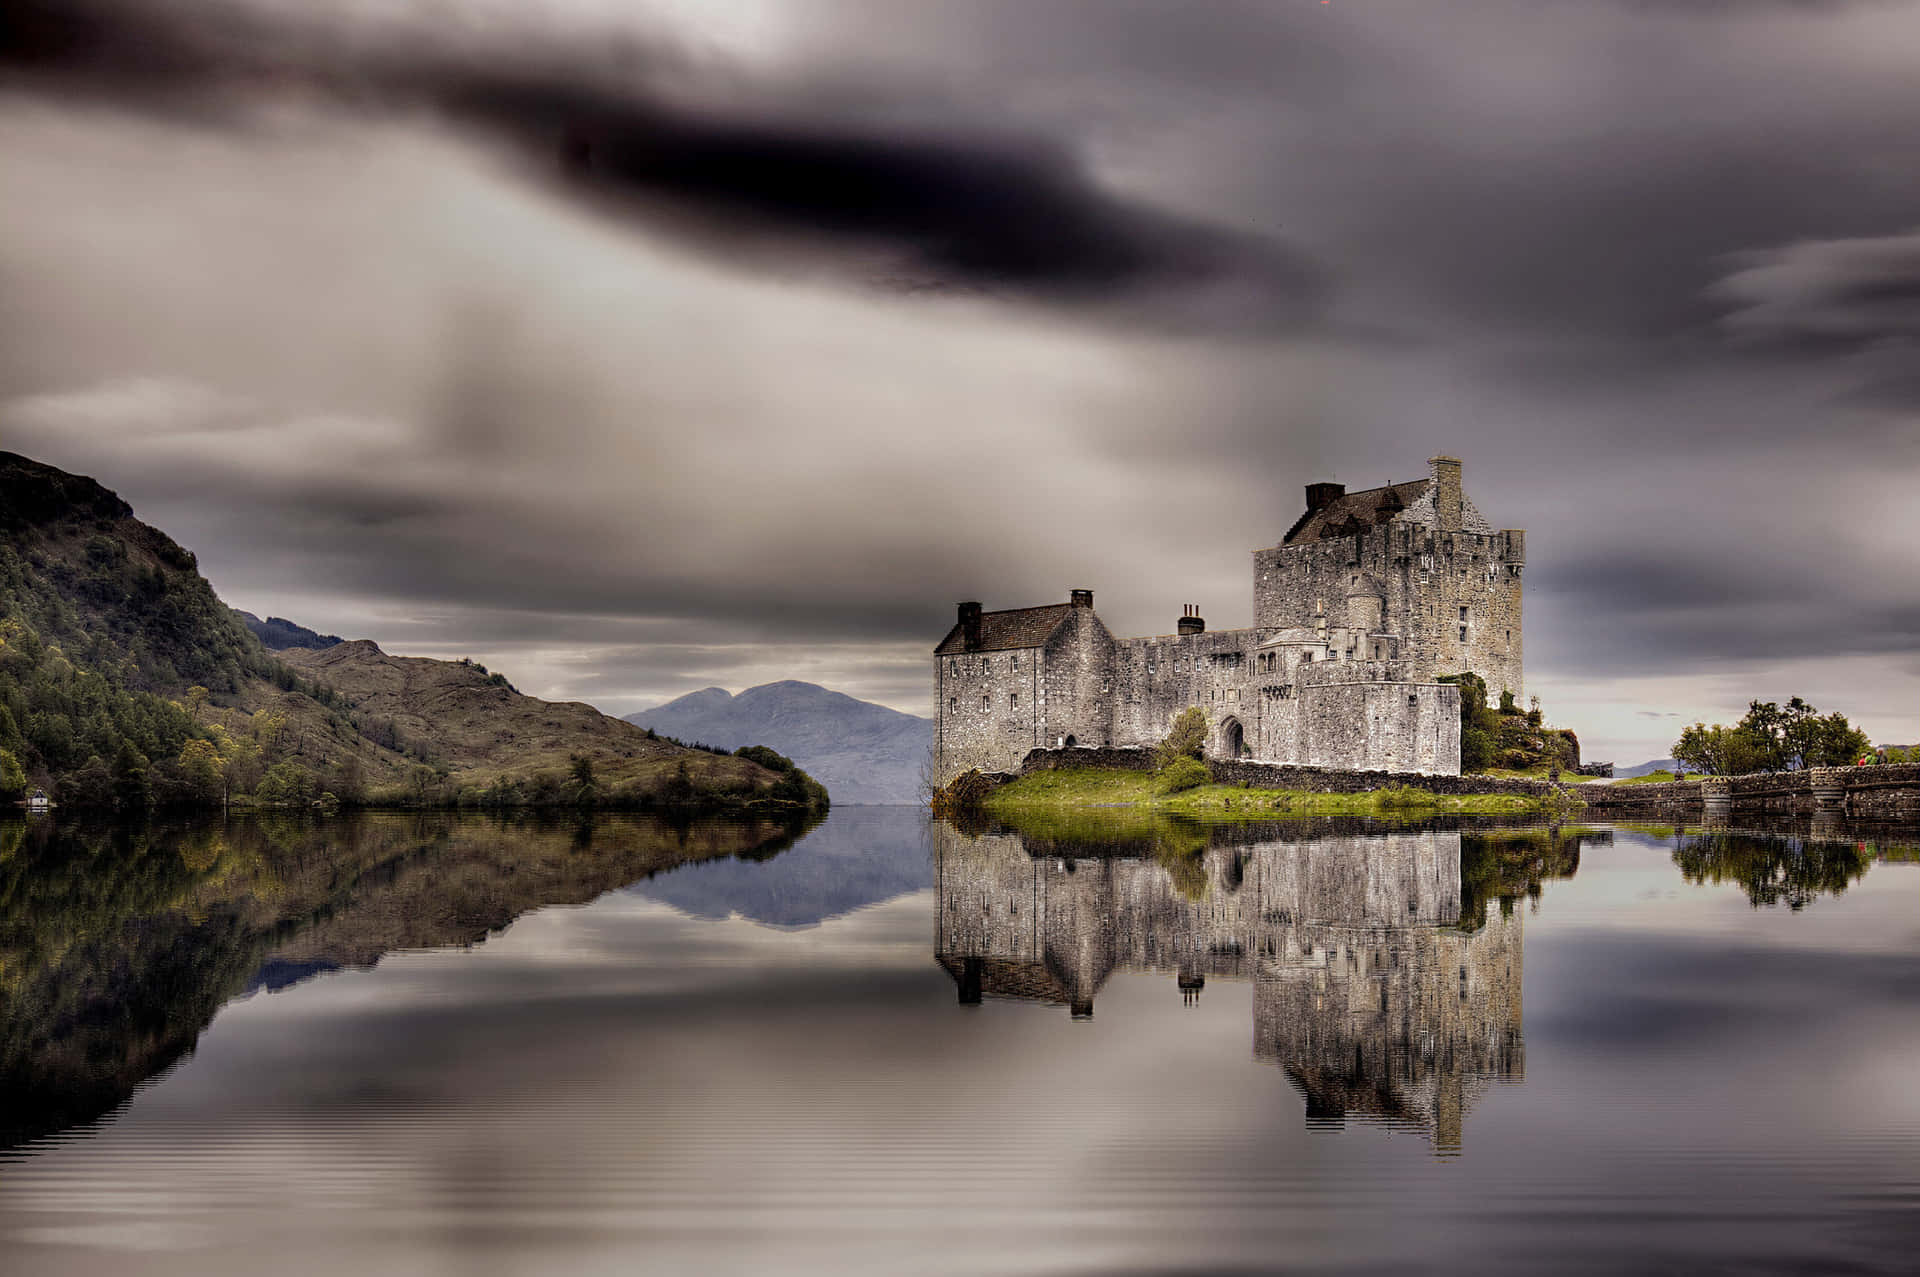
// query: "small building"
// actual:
[[1369, 599], [37, 800]]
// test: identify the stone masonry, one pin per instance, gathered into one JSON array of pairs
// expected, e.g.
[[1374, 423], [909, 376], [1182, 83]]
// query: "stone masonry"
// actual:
[[1369, 598], [1367, 991]]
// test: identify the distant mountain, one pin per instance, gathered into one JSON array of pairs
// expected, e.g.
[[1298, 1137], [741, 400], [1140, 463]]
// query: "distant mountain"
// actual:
[[861, 857], [862, 752], [279, 634], [1657, 765]]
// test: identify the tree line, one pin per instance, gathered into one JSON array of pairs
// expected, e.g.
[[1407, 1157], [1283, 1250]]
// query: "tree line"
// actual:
[[1774, 738]]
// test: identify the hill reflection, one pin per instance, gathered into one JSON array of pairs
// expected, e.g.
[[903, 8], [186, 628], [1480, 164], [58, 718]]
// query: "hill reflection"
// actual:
[[1386, 967], [119, 944]]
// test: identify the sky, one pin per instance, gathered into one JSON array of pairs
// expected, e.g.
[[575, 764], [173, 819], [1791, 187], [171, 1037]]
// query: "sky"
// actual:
[[636, 347]]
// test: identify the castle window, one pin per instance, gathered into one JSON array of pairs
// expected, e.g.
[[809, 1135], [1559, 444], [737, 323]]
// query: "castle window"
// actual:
[[1016, 660], [953, 705], [1413, 699], [1463, 614], [1013, 699], [985, 704], [1463, 634]]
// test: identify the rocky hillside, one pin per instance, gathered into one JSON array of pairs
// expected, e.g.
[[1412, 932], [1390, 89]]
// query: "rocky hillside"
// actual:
[[862, 752], [125, 682], [278, 634], [484, 734]]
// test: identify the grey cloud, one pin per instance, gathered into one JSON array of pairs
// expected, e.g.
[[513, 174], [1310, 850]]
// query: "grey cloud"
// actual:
[[915, 208], [1544, 204], [1832, 294]]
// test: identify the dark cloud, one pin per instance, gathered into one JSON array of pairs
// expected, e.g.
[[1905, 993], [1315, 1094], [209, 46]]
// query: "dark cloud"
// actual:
[[916, 210]]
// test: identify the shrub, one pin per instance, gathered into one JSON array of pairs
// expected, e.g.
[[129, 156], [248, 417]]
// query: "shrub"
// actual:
[[1183, 774], [1185, 738]]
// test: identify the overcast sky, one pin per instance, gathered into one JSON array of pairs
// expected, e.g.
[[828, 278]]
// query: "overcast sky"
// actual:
[[632, 346]]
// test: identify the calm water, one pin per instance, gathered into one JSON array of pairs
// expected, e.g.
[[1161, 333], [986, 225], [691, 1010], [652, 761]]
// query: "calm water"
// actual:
[[398, 1045]]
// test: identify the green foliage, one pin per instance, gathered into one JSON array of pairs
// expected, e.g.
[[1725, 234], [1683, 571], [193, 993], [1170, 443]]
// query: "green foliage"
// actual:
[[1507, 865], [1772, 870], [1770, 738], [13, 778], [1186, 738], [767, 758], [1182, 774], [1479, 725], [286, 784]]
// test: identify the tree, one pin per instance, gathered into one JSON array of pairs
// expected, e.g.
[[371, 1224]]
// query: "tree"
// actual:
[[1185, 738], [1837, 743], [268, 728], [13, 777], [767, 758], [203, 771], [286, 784], [1705, 749], [1479, 725], [129, 778], [196, 700], [421, 780]]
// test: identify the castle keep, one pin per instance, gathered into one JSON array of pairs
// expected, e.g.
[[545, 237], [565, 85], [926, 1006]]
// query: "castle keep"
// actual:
[[1369, 598]]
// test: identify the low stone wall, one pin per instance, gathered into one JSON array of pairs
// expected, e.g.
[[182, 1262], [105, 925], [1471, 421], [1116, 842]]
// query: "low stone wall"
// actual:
[[1891, 791], [1131, 759], [1317, 780]]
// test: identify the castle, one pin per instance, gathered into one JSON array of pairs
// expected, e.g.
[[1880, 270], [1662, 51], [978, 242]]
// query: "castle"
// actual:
[[1369, 598], [1375, 987]]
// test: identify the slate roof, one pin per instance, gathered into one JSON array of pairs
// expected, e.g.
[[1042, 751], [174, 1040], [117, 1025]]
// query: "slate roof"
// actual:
[[1367, 508], [1015, 627]]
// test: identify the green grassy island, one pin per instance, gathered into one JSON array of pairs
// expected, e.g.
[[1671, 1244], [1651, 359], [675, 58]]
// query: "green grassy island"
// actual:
[[1070, 789]]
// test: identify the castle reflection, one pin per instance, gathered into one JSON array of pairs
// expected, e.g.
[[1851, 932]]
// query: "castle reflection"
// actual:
[[1383, 983]]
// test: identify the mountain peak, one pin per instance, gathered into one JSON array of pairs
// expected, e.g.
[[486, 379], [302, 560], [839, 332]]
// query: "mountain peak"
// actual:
[[871, 752]]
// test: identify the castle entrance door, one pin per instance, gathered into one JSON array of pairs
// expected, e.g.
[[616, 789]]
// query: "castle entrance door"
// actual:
[[1232, 738]]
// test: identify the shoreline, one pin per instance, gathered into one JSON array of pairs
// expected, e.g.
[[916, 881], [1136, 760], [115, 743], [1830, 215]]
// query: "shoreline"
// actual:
[[1092, 788]]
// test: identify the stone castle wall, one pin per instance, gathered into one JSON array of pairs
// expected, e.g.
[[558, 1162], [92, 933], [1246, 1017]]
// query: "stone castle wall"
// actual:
[[1404, 592], [1365, 989], [1339, 670]]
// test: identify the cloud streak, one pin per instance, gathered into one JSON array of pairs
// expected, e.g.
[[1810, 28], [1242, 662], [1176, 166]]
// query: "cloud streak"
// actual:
[[916, 209]]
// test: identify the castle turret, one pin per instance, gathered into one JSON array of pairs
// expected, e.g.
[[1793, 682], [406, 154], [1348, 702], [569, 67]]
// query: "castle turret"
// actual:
[[1191, 622]]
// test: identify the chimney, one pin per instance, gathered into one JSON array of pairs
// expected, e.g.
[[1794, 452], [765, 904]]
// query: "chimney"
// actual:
[[1080, 598], [1321, 494], [1446, 492], [970, 623], [1190, 620]]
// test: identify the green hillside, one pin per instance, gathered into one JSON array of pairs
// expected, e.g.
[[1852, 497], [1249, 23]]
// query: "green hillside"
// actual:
[[126, 683]]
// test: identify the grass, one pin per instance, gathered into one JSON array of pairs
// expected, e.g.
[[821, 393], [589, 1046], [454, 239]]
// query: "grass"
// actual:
[[1097, 788], [1651, 778]]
